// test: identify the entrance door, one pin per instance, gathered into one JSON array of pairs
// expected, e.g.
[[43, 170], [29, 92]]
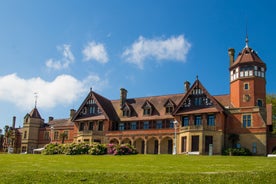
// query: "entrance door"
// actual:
[[156, 147], [170, 146], [195, 143], [208, 141]]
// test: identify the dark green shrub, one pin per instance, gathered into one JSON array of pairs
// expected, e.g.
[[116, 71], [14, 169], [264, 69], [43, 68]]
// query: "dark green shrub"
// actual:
[[237, 152]]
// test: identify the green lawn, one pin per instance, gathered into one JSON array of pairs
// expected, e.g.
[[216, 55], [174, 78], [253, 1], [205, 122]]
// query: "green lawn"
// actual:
[[135, 169]]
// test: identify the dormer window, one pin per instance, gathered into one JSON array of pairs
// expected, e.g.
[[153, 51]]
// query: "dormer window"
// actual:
[[169, 105], [126, 111], [147, 109]]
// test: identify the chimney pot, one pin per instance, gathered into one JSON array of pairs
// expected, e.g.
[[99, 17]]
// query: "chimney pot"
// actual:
[[231, 53], [187, 86], [51, 118], [123, 96]]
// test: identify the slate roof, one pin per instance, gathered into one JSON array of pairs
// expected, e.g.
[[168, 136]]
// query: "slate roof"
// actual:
[[247, 55], [35, 114]]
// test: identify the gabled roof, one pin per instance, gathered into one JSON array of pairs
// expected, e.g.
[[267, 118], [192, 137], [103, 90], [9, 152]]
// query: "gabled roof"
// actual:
[[35, 114], [216, 107], [104, 104]]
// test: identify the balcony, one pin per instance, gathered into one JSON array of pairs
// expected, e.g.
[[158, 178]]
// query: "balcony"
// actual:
[[197, 128]]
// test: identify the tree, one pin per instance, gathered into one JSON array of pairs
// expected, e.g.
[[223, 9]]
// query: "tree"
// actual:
[[234, 138], [271, 99], [63, 136]]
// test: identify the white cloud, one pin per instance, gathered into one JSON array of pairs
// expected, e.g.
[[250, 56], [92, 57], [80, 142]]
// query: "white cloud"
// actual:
[[65, 61], [63, 90], [95, 51], [174, 48]]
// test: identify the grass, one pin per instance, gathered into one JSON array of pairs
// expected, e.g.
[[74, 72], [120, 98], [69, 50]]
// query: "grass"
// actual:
[[135, 169]]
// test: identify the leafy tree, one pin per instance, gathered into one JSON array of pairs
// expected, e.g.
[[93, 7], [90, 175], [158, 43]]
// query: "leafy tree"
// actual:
[[63, 136], [234, 138], [271, 99]]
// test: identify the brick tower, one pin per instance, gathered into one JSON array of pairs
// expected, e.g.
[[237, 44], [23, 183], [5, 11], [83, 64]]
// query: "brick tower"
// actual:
[[247, 78]]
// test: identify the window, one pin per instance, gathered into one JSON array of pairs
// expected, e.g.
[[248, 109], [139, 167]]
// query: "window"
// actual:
[[147, 111], [159, 124], [169, 108], [171, 124], [146, 125], [254, 147], [47, 135], [246, 121], [56, 134], [133, 126], [185, 121], [66, 135], [91, 124], [198, 120], [121, 126], [126, 112], [25, 135], [92, 110], [211, 120], [259, 103], [198, 101], [100, 128], [246, 86], [81, 128]]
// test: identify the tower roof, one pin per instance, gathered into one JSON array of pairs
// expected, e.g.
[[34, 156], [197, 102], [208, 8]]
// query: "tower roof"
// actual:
[[35, 114], [248, 56]]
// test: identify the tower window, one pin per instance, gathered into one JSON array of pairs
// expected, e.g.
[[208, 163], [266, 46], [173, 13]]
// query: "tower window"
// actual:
[[246, 86], [259, 102]]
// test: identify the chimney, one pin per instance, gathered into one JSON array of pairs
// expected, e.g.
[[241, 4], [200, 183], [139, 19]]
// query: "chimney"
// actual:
[[231, 53], [13, 122], [123, 96], [187, 86], [72, 113], [51, 118]]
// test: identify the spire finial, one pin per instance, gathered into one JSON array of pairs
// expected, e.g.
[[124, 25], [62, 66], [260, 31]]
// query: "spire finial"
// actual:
[[246, 39], [36, 96]]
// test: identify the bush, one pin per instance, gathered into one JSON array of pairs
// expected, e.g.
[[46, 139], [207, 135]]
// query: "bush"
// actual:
[[98, 149], [123, 149], [76, 149], [52, 149], [237, 152], [83, 148]]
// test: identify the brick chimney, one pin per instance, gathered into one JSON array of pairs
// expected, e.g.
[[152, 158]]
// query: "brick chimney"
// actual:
[[72, 113], [123, 96], [231, 53], [186, 86], [51, 118], [13, 122]]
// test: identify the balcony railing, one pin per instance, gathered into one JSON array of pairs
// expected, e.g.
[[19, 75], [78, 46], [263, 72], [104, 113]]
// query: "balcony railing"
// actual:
[[198, 127]]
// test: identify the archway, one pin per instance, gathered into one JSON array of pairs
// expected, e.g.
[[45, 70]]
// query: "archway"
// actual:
[[152, 146], [126, 141], [139, 144], [114, 141], [166, 145]]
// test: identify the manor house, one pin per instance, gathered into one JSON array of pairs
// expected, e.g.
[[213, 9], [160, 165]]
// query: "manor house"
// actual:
[[190, 122]]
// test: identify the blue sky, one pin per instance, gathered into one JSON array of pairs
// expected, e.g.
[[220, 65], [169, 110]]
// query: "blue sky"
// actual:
[[59, 49]]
